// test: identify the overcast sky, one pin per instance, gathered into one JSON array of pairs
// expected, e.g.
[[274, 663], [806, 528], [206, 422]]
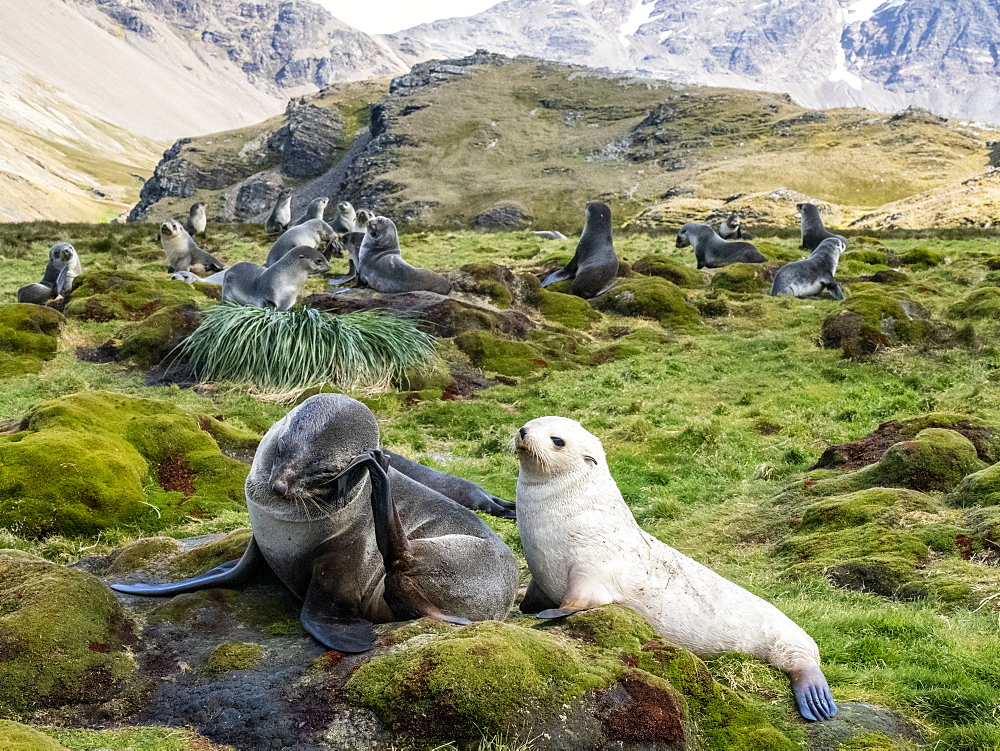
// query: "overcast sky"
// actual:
[[387, 16]]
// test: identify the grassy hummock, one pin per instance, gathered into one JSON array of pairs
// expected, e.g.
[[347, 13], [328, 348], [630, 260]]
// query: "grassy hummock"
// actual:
[[284, 351]]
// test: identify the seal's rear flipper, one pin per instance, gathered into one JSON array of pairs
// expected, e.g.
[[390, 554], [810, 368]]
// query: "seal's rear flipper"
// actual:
[[559, 612], [351, 274], [558, 276], [812, 694], [227, 576], [344, 633]]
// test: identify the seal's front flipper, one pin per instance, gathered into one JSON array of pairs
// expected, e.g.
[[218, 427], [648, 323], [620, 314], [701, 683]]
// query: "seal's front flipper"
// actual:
[[535, 600], [340, 631], [559, 276], [559, 612], [608, 286], [351, 274], [227, 576], [403, 593], [835, 290], [812, 694], [583, 594]]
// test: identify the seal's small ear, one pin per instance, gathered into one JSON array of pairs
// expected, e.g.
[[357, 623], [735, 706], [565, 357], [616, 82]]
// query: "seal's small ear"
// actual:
[[590, 459]]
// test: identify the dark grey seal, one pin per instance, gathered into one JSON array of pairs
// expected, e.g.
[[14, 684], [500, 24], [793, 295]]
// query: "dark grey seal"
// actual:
[[315, 234], [276, 286], [352, 243], [314, 210], [711, 251], [381, 266], [63, 267], [281, 214], [463, 492], [732, 228], [813, 231], [810, 276], [357, 541], [594, 265]]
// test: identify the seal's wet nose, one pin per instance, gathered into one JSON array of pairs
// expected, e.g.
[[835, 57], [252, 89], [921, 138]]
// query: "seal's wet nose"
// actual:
[[523, 432]]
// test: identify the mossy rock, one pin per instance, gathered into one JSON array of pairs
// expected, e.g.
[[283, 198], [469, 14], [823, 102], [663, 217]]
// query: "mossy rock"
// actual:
[[870, 257], [921, 257], [148, 342], [871, 540], [93, 460], [29, 335], [568, 310], [494, 281], [64, 638], [502, 356], [651, 297], [980, 303], [234, 655], [130, 296], [869, 321], [743, 277], [993, 264], [17, 737], [889, 276], [669, 269], [980, 488], [140, 554], [208, 556]]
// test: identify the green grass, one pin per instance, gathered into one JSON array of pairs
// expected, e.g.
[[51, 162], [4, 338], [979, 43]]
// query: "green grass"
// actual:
[[700, 430]]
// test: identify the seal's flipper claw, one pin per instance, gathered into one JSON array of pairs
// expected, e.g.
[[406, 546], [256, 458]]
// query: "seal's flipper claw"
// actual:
[[559, 612], [343, 633], [227, 576], [812, 694], [557, 276]]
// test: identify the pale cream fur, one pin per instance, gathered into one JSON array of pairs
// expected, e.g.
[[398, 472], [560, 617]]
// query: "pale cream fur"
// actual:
[[585, 549]]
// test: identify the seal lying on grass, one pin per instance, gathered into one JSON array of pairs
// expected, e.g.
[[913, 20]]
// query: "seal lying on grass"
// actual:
[[584, 549], [358, 542], [711, 251]]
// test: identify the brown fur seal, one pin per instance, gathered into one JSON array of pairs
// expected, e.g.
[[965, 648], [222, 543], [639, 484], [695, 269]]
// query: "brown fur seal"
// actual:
[[810, 276], [183, 253], [712, 251], [358, 542], [281, 214], [315, 233], [63, 267], [276, 286], [594, 263], [345, 219], [314, 210], [811, 226], [381, 265], [585, 549], [196, 221]]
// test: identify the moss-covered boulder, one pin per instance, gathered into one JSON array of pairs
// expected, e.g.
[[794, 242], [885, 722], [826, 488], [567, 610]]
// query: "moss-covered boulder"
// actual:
[[651, 297], [980, 303], [148, 342], [871, 540], [870, 257], [568, 310], [130, 296], [980, 488], [503, 356], [921, 257], [498, 283], [93, 460], [28, 336], [869, 321], [743, 277], [602, 672], [17, 737], [64, 638], [669, 269]]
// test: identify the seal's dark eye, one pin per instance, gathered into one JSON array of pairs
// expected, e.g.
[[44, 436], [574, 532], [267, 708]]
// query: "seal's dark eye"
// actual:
[[559, 442]]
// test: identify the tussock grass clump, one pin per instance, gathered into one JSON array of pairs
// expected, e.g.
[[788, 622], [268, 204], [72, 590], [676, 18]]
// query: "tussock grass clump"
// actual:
[[283, 352]]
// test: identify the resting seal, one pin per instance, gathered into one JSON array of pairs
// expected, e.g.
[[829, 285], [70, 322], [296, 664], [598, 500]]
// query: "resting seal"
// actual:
[[732, 228], [358, 542], [196, 221], [63, 267], [345, 219], [594, 263], [314, 210], [549, 234], [281, 214], [813, 231], [381, 265], [183, 253], [810, 276], [712, 251], [315, 234], [585, 549], [463, 492], [276, 286]]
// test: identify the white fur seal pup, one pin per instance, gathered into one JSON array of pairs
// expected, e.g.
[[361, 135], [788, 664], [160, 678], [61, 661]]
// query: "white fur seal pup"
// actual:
[[276, 286], [594, 265], [183, 253], [810, 276], [196, 221], [712, 251], [281, 214], [345, 219], [549, 234], [381, 265], [584, 549], [361, 219], [315, 233], [811, 225], [63, 267], [732, 228], [357, 541], [314, 210]]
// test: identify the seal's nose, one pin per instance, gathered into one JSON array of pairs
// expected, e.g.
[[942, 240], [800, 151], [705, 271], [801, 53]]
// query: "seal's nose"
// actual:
[[279, 487], [523, 432]]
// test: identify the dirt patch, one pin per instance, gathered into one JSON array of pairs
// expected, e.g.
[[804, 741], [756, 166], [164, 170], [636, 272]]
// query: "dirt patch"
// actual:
[[175, 475], [638, 712]]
